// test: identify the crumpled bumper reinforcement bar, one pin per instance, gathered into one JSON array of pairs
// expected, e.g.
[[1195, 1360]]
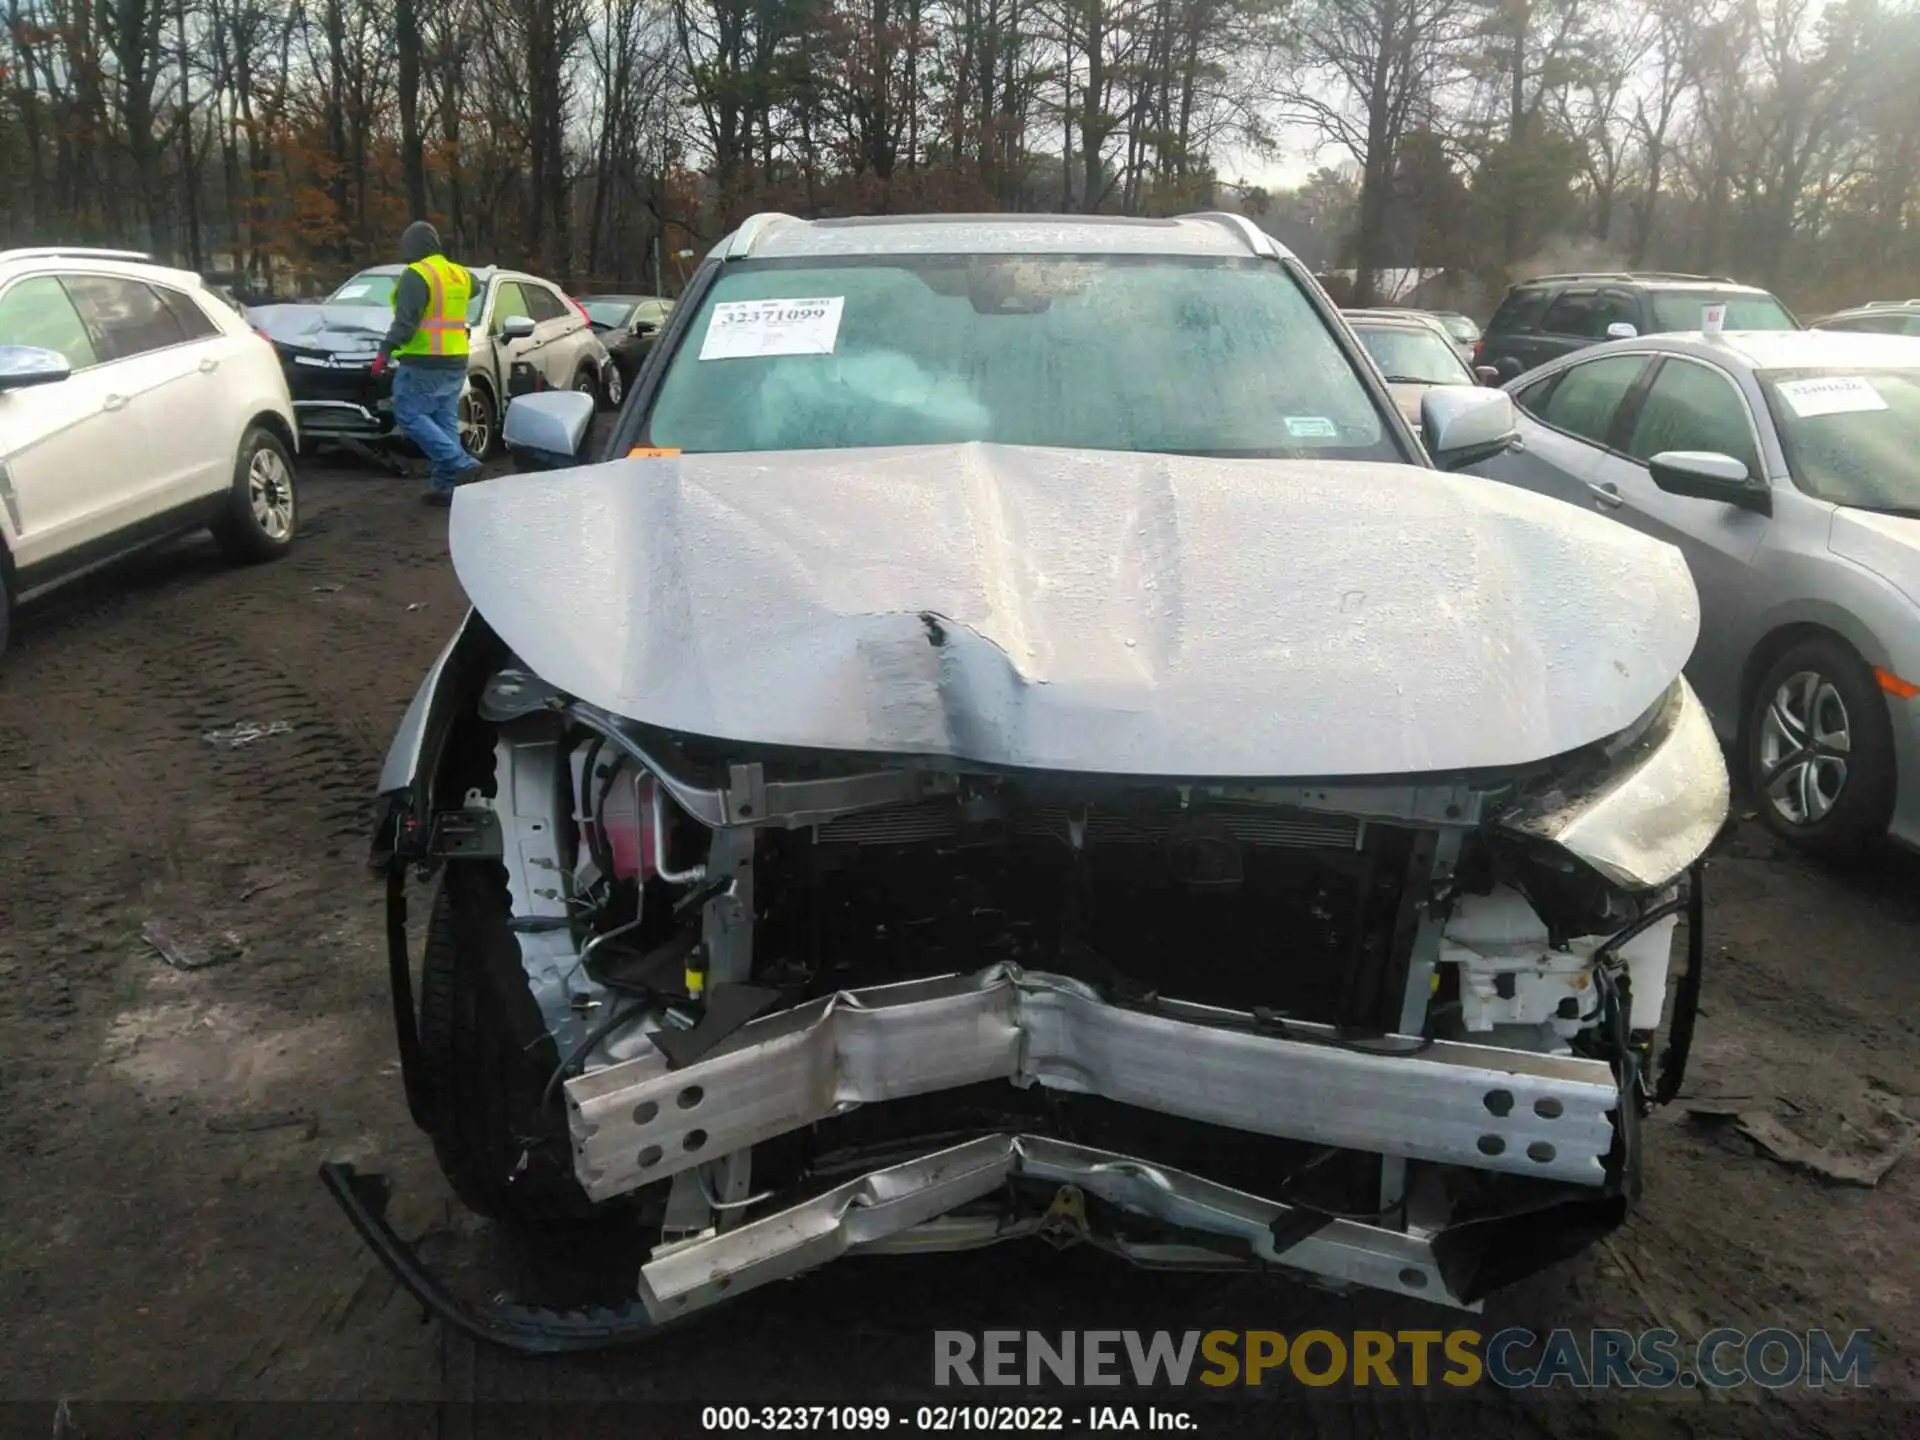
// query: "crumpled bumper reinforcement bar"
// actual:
[[906, 1206], [1512, 1111], [889, 1204]]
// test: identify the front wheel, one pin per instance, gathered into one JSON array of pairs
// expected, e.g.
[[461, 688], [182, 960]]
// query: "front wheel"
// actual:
[[477, 428], [262, 511], [499, 1129], [1819, 748], [614, 389]]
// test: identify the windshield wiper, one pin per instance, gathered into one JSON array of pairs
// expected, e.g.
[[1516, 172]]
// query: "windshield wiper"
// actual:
[[1414, 380], [1905, 512]]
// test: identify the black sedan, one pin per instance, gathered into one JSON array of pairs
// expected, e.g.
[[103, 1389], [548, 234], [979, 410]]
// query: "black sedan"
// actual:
[[627, 325]]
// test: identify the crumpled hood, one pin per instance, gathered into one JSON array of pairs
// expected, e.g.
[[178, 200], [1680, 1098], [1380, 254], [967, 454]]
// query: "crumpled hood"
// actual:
[[335, 329], [1083, 611], [1888, 545]]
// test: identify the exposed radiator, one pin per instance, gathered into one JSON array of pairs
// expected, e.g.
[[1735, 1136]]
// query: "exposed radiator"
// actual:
[[1252, 824]]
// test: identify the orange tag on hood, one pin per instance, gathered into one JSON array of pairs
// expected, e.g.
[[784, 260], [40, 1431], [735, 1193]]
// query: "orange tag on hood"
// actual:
[[648, 452]]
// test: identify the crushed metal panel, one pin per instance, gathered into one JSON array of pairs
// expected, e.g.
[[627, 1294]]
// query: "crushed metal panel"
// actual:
[[881, 1211], [637, 1122], [1084, 611]]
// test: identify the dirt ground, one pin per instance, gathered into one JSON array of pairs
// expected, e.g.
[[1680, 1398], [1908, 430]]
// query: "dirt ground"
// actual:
[[165, 1238]]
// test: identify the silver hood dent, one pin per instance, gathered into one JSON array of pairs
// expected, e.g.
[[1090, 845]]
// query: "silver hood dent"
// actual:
[[1085, 611]]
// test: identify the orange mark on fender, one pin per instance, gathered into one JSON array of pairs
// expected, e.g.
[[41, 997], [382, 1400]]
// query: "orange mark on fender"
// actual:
[[1893, 684], [648, 452]]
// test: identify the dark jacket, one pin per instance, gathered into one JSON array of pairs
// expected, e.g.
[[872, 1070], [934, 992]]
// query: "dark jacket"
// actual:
[[410, 298]]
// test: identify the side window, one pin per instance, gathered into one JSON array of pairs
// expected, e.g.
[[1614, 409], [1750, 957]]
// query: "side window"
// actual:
[[1585, 400], [1614, 307], [194, 323], [37, 312], [542, 303], [1572, 314], [1693, 407], [508, 301], [1533, 399], [126, 317], [1518, 311]]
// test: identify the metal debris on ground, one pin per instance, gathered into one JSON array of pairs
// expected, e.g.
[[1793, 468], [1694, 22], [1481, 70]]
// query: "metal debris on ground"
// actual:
[[304, 1120], [245, 733], [324, 589], [183, 954], [1854, 1146]]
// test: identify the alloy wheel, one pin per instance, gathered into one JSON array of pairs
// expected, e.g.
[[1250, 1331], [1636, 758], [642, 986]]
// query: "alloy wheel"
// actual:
[[616, 387], [1806, 738], [476, 423], [270, 492]]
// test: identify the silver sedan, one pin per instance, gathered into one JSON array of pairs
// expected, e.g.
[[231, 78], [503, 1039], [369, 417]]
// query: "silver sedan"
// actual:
[[1786, 468]]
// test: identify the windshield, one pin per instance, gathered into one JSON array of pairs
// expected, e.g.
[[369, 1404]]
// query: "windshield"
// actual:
[[1413, 357], [610, 313], [1191, 356], [1850, 436], [371, 289], [376, 288], [1680, 310]]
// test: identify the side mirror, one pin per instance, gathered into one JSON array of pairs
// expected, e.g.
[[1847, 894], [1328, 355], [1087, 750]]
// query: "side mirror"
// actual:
[[1708, 475], [645, 327], [1621, 330], [1462, 424], [545, 431], [516, 327], [22, 366], [1489, 374]]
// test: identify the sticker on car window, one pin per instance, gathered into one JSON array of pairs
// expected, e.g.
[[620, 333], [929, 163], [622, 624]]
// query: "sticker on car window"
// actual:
[[747, 329], [1830, 395], [1312, 427]]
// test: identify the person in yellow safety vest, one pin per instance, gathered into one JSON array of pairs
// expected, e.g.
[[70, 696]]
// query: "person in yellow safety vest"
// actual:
[[426, 348]]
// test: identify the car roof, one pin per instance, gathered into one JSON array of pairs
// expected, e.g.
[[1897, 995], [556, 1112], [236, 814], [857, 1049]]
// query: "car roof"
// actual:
[[1874, 307], [1774, 349], [131, 263], [483, 272], [776, 236], [622, 299], [1685, 283]]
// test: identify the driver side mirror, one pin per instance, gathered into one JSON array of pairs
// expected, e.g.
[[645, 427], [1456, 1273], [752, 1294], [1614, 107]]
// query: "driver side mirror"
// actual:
[[1622, 330], [1464, 424], [546, 430], [516, 327], [1488, 374], [645, 327], [22, 366], [1709, 475]]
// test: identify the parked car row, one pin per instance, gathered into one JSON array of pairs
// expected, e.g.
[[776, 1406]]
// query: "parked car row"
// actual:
[[524, 334]]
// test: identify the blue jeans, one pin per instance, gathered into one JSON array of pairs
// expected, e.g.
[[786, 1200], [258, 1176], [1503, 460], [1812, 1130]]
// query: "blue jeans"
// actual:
[[426, 407]]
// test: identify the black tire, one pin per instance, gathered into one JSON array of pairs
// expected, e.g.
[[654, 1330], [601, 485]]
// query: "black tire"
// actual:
[[262, 512], [1808, 790], [485, 423], [489, 1058], [613, 388]]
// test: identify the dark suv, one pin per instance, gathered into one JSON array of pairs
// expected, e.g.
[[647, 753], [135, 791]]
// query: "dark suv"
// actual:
[[1552, 315], [1876, 317]]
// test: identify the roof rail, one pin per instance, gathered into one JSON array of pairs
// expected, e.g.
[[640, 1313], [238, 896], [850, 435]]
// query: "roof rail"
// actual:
[[752, 228], [77, 252], [1257, 240], [1884, 305], [1628, 275]]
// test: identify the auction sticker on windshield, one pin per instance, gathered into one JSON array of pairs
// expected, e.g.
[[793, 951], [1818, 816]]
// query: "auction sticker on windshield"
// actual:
[[746, 329], [1312, 427], [1830, 395]]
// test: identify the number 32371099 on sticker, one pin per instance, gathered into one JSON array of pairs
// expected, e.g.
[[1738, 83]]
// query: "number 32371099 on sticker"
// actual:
[[747, 329]]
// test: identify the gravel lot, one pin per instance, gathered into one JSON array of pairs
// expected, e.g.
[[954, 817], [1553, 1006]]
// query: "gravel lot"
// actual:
[[160, 1129]]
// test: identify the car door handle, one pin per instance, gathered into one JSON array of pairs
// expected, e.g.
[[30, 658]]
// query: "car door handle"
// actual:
[[1517, 444], [209, 365], [114, 402], [1608, 494]]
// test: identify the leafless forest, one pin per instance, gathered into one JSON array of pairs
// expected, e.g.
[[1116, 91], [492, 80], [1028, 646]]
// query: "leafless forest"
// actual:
[[288, 140]]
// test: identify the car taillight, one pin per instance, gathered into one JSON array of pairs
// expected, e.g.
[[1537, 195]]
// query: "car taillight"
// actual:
[[581, 308], [1478, 346]]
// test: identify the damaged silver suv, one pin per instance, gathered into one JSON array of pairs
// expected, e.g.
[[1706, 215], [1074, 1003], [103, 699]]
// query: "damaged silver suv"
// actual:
[[1013, 735]]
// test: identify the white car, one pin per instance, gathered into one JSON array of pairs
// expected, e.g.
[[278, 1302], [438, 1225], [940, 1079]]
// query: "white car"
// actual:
[[135, 406]]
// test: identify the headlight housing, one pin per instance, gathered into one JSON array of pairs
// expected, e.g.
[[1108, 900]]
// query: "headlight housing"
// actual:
[[1644, 805]]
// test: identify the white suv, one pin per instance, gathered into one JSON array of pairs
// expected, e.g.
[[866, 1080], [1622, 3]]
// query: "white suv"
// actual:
[[135, 406]]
